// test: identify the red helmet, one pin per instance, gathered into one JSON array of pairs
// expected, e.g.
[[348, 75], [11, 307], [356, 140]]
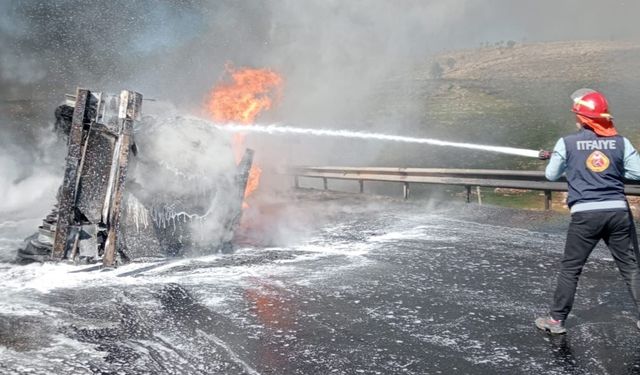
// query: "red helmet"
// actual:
[[592, 110], [591, 104]]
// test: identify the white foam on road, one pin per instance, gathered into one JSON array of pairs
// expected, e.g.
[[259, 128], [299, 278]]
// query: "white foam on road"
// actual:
[[422, 232], [46, 277], [62, 356], [232, 354]]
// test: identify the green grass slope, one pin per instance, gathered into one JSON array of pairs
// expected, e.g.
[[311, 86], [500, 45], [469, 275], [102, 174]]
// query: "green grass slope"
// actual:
[[515, 96]]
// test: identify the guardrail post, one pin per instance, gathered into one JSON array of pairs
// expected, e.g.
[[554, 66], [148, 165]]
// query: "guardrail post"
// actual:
[[547, 199], [296, 182], [405, 190], [469, 178]]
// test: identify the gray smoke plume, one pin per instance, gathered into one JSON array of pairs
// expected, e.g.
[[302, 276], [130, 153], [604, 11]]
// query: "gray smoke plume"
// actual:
[[360, 65], [331, 52]]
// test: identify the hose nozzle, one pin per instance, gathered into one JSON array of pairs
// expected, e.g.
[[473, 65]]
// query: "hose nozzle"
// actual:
[[544, 155]]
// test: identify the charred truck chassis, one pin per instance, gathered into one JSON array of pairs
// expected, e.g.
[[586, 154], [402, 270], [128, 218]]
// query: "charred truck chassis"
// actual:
[[85, 225]]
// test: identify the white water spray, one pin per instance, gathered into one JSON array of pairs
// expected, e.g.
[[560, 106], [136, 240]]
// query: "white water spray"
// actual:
[[278, 129]]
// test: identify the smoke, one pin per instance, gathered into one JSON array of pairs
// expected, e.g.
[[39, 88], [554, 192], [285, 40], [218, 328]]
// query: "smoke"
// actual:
[[361, 65], [329, 51], [356, 65], [29, 179]]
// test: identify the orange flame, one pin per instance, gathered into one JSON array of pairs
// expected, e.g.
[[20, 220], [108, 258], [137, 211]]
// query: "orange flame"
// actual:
[[250, 92], [241, 99]]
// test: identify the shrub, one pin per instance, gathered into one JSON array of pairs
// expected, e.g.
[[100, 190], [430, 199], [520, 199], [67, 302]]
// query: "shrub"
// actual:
[[436, 70], [451, 62]]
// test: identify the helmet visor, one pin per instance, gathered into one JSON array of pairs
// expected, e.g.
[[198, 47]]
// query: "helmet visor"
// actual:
[[577, 98], [581, 93]]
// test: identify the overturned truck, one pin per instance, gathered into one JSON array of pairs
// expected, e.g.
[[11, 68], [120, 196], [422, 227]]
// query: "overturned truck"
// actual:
[[137, 188]]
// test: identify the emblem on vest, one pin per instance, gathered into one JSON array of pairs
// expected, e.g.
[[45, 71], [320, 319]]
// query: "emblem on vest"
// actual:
[[597, 162]]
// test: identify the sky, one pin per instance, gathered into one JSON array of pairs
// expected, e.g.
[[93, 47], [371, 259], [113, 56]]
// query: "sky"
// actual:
[[177, 50]]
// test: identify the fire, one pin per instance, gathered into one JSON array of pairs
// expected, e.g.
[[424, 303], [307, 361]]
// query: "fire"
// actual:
[[240, 99], [250, 92]]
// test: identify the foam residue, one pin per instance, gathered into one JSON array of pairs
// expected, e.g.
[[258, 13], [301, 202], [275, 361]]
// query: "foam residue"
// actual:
[[166, 217], [137, 213]]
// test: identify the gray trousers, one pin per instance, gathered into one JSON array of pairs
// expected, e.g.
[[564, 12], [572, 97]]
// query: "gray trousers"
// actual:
[[585, 230]]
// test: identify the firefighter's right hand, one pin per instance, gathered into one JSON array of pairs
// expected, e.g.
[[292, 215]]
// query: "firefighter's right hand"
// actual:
[[544, 155]]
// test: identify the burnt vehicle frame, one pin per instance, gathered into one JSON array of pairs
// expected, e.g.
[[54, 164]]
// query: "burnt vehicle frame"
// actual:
[[86, 223]]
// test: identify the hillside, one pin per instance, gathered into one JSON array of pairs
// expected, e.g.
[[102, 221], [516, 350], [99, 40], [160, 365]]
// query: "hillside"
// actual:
[[517, 96], [596, 61]]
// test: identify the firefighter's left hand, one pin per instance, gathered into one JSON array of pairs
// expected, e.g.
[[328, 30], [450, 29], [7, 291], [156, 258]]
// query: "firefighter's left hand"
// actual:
[[544, 155]]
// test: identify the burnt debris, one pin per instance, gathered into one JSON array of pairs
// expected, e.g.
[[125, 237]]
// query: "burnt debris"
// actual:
[[103, 214]]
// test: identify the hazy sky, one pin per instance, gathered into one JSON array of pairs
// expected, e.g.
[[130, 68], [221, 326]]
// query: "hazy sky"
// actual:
[[177, 49]]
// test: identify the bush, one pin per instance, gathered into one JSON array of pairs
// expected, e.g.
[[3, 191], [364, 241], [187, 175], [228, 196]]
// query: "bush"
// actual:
[[436, 70], [451, 62], [511, 44]]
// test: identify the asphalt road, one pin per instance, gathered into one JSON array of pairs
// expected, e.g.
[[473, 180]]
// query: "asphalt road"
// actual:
[[359, 285]]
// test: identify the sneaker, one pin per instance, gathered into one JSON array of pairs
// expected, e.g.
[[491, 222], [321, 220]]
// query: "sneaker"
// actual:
[[555, 327]]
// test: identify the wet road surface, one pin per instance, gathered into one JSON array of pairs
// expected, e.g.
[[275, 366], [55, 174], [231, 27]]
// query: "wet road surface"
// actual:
[[374, 286]]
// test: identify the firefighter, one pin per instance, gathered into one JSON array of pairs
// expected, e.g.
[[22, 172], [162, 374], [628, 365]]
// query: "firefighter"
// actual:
[[596, 161]]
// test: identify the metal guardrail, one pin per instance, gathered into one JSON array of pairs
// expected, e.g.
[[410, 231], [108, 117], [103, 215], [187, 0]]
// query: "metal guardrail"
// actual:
[[525, 180]]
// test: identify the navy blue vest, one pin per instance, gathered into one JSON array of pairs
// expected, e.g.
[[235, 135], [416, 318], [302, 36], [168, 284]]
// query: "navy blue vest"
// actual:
[[595, 167]]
